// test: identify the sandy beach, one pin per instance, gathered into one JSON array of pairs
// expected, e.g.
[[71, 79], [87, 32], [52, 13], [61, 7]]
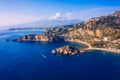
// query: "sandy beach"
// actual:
[[103, 49], [78, 41], [92, 48]]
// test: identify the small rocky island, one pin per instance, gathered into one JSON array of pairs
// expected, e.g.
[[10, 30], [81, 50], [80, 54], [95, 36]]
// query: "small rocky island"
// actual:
[[68, 50]]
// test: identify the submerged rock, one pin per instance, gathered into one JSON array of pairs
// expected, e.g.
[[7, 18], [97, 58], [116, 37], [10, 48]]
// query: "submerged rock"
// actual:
[[67, 50]]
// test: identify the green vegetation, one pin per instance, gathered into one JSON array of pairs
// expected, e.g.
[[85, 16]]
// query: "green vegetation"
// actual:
[[97, 44], [108, 21], [118, 46], [99, 32]]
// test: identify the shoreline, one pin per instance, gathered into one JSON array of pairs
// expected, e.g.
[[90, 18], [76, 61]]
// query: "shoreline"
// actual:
[[92, 48], [78, 41], [104, 49]]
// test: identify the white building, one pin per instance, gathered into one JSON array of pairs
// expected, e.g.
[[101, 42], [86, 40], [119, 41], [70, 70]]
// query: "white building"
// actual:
[[106, 39]]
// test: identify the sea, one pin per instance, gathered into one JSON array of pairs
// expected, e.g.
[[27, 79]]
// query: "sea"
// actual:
[[34, 60]]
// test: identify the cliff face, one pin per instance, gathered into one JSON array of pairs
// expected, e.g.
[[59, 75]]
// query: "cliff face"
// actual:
[[81, 33]]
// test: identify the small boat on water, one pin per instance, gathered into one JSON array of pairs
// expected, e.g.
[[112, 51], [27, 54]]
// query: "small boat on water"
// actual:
[[44, 56]]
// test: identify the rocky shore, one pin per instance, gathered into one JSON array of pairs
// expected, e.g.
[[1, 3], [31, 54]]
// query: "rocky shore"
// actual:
[[68, 50], [90, 47], [38, 37], [33, 37]]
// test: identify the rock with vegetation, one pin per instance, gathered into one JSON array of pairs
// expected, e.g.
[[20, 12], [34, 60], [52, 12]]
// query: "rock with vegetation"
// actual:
[[104, 26], [33, 37], [100, 32], [67, 50], [39, 37]]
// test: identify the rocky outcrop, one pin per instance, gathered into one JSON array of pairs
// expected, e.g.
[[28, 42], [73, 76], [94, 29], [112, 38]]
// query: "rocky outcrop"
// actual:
[[39, 37], [33, 37], [67, 50], [81, 33]]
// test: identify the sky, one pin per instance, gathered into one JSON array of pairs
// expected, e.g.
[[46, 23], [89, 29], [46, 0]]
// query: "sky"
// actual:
[[23, 11]]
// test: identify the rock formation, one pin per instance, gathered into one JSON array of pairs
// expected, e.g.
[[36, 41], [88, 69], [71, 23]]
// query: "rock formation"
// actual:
[[33, 37], [67, 50]]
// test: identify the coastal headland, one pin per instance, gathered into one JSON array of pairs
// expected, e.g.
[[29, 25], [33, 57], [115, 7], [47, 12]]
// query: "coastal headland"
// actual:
[[101, 33]]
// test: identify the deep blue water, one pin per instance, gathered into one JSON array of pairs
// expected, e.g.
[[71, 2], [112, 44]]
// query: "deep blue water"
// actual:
[[26, 61]]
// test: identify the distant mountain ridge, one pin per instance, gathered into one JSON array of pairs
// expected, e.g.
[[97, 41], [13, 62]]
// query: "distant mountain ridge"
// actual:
[[46, 23]]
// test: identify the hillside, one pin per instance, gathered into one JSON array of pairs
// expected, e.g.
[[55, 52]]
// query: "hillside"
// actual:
[[103, 31], [104, 26]]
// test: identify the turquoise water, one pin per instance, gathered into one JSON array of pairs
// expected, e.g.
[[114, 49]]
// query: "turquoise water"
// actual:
[[34, 61]]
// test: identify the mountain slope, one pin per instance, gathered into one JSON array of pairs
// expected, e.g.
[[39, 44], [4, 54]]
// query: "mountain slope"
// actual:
[[104, 26]]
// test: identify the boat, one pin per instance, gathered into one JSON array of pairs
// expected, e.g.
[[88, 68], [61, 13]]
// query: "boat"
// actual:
[[44, 56]]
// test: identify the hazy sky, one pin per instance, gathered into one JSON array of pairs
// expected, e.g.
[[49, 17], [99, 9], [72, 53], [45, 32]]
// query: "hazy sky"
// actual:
[[22, 11]]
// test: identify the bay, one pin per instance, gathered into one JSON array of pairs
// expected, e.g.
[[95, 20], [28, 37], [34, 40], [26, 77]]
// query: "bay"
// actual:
[[34, 61]]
